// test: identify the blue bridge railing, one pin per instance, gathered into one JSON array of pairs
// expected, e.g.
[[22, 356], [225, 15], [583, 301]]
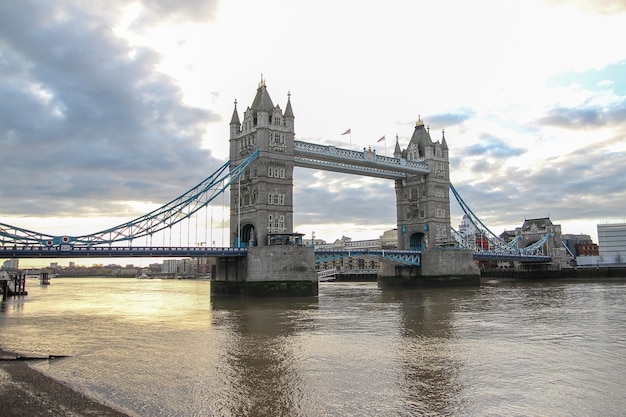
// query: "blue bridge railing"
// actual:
[[408, 257]]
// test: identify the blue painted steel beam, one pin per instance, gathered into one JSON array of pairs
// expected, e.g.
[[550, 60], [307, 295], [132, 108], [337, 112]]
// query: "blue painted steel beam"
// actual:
[[408, 257], [321, 255], [414, 257], [366, 162], [71, 251], [347, 168], [499, 256], [496, 243]]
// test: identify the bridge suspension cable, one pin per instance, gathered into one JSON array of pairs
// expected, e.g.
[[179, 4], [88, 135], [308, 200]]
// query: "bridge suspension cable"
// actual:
[[496, 243], [164, 217]]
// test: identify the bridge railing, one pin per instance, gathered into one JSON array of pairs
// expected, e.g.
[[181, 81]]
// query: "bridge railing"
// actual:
[[409, 257], [357, 156], [70, 251]]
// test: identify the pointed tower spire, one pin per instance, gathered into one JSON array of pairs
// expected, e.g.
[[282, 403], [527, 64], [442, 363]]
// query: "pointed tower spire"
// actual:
[[289, 117], [235, 124], [397, 152], [235, 118], [288, 109]]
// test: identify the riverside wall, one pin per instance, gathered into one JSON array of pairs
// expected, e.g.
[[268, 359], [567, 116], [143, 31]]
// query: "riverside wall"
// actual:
[[568, 273]]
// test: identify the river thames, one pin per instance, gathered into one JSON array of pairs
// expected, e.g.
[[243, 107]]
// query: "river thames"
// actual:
[[166, 348]]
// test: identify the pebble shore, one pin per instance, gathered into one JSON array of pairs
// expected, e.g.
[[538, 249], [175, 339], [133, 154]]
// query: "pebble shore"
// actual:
[[26, 392]]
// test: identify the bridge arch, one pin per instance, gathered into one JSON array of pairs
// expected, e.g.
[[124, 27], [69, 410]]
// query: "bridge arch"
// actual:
[[417, 241], [248, 235]]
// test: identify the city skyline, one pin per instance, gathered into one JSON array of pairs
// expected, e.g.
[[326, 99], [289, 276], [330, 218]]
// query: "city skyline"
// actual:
[[112, 111]]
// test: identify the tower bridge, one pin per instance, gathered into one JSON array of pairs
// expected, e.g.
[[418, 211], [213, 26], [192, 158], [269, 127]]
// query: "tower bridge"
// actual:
[[261, 202], [265, 253]]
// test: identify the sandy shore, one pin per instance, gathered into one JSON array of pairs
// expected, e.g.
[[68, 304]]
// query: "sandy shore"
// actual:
[[25, 392]]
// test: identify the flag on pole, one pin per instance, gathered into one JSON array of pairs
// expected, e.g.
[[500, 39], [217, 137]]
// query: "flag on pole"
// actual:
[[346, 132], [381, 139]]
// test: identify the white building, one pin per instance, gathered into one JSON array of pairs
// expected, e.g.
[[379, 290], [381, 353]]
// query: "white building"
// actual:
[[10, 264], [170, 266], [612, 243], [467, 228]]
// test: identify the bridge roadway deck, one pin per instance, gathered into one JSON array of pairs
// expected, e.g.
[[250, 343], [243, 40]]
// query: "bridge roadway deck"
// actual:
[[499, 256], [75, 251]]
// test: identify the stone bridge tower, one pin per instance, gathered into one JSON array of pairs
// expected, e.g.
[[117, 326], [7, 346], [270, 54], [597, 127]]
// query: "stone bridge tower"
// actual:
[[423, 201], [261, 203], [261, 208]]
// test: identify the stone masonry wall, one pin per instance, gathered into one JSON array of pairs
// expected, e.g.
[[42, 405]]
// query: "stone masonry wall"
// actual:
[[281, 263], [446, 262]]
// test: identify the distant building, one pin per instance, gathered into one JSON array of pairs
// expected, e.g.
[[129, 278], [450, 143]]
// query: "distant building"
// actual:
[[155, 267], [11, 264], [508, 235], [467, 228], [471, 236], [389, 239], [588, 249], [313, 242], [170, 266], [534, 230], [580, 245], [612, 242], [346, 242]]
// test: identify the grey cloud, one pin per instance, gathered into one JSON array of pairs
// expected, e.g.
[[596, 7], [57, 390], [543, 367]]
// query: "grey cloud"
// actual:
[[574, 118], [445, 120], [359, 205], [86, 118], [177, 10], [580, 185], [491, 146], [585, 117]]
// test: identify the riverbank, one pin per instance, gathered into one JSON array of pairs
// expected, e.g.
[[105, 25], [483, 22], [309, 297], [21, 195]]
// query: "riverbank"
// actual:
[[26, 392], [599, 273]]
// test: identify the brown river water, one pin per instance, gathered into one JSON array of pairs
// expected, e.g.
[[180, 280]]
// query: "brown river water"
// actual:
[[167, 348]]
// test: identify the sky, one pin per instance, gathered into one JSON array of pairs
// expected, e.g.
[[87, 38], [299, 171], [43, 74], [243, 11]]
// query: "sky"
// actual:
[[112, 108]]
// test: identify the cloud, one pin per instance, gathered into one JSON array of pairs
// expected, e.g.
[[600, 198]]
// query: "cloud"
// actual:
[[445, 120], [156, 11], [574, 118], [581, 184], [490, 146], [607, 7], [333, 200], [86, 118], [585, 116]]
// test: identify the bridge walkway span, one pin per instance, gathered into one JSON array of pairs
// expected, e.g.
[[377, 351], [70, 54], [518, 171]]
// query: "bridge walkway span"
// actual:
[[409, 257]]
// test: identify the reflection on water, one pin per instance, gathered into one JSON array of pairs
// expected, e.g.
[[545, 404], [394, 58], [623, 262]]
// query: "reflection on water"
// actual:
[[426, 354], [165, 348], [259, 371]]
